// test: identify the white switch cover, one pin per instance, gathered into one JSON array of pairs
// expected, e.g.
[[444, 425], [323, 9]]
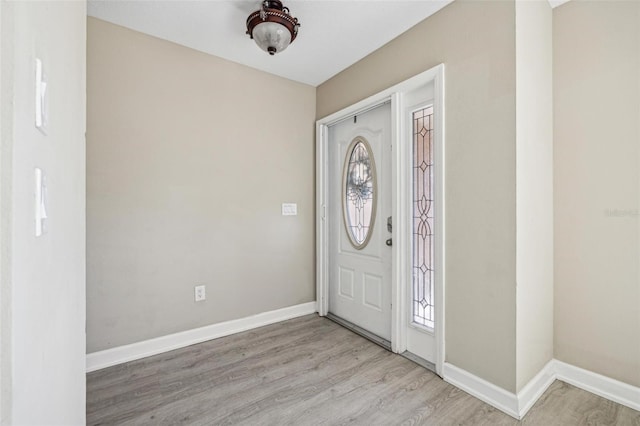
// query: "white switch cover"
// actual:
[[41, 98], [289, 209], [40, 202]]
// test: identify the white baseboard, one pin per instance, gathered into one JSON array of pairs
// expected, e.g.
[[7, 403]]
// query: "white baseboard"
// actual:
[[518, 405], [121, 354], [603, 386], [485, 391], [533, 390]]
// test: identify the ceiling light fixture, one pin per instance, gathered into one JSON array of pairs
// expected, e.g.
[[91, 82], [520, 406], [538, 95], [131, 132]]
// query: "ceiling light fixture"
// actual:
[[272, 27]]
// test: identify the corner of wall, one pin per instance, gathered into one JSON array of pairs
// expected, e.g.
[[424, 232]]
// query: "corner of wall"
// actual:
[[534, 190]]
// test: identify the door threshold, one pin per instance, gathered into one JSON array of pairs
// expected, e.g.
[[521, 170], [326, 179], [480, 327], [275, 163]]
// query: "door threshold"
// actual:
[[360, 331], [420, 361]]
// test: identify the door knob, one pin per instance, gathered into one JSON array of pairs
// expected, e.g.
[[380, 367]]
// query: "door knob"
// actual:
[[389, 242]]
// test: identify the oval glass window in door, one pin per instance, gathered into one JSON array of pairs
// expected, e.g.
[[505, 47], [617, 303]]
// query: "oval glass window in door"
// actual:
[[360, 192]]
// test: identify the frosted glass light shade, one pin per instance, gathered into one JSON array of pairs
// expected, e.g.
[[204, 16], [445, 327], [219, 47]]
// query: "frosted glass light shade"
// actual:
[[271, 37]]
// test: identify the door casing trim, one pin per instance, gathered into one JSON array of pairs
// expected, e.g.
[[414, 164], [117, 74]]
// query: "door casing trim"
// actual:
[[401, 250]]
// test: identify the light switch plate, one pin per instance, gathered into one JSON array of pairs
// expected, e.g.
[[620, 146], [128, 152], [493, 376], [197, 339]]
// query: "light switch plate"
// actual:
[[289, 209], [41, 98], [40, 202]]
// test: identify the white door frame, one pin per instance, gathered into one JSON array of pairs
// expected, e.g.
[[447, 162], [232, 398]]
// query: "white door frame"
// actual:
[[401, 175]]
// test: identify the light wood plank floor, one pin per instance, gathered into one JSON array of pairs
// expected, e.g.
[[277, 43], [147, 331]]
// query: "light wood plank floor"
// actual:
[[309, 371]]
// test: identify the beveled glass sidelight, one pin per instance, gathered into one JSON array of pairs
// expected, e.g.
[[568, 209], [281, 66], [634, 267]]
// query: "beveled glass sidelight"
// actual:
[[423, 237], [359, 192]]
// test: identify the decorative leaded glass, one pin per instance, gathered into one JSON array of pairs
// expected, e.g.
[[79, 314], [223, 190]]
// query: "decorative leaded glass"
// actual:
[[359, 195], [423, 207]]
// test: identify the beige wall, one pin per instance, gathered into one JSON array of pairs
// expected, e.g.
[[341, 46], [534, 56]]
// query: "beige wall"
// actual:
[[189, 159], [476, 42], [43, 279], [597, 186], [534, 199]]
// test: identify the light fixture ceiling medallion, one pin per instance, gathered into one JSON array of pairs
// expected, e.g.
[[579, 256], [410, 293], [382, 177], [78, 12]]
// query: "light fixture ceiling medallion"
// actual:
[[272, 27]]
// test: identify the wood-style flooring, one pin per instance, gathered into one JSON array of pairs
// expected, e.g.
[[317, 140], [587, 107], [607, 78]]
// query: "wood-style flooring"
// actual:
[[309, 371]]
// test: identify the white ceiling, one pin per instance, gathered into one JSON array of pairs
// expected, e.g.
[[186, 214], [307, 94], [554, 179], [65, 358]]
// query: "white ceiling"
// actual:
[[334, 34]]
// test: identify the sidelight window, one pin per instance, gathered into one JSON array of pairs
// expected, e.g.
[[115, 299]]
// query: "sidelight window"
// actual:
[[423, 208]]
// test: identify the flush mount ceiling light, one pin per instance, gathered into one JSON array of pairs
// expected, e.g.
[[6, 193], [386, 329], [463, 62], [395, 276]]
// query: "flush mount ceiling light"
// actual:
[[272, 27]]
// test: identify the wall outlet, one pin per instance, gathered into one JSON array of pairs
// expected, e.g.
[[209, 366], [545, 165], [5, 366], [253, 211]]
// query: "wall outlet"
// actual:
[[199, 293]]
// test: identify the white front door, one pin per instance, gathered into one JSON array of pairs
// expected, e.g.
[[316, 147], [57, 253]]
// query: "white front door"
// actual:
[[359, 208]]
